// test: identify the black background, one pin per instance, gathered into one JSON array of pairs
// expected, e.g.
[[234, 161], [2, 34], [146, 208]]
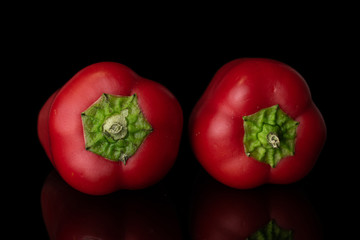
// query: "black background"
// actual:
[[183, 57]]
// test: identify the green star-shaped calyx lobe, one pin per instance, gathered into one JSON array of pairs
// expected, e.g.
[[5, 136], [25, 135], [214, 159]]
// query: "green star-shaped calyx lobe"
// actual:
[[269, 135], [114, 127]]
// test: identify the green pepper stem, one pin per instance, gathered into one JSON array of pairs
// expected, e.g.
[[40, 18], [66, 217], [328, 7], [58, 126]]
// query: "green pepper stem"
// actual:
[[269, 135], [116, 125], [273, 140]]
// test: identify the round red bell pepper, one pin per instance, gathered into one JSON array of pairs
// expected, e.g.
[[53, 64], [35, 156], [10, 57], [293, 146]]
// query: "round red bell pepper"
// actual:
[[108, 128], [267, 212], [256, 123]]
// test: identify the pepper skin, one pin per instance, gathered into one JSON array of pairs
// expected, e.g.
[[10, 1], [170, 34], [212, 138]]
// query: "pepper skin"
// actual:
[[71, 116], [271, 90]]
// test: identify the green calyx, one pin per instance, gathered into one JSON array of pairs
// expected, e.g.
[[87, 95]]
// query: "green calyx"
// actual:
[[272, 231], [114, 127], [269, 135]]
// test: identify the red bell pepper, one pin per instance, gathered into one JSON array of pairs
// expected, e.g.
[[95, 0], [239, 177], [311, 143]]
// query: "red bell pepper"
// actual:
[[69, 214], [108, 129], [256, 123], [267, 212]]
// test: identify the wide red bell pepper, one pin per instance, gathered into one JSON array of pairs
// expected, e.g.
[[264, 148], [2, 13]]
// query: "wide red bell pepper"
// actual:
[[108, 128], [256, 123], [267, 212]]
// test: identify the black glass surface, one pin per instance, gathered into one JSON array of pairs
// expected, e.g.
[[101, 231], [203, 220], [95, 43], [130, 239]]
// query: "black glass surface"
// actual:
[[187, 203]]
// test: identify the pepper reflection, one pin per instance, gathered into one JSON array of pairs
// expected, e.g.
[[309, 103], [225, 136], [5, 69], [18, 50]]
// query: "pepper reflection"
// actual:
[[69, 214], [267, 212]]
